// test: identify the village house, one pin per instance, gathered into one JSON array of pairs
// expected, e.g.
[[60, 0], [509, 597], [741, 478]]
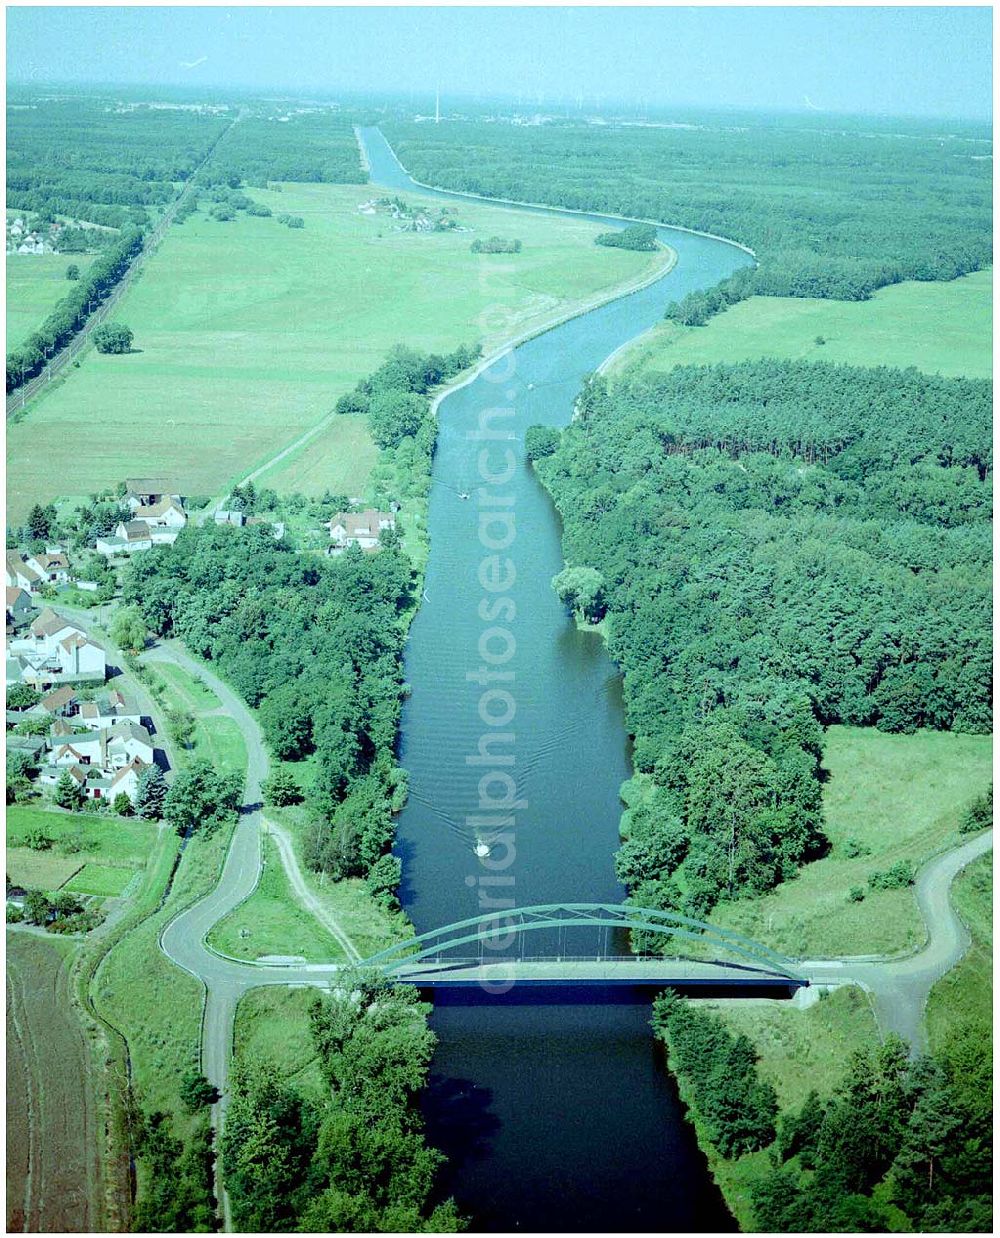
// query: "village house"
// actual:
[[148, 492], [164, 519], [52, 568], [54, 651], [19, 608], [359, 529], [130, 537], [110, 750], [19, 575], [95, 783], [112, 709], [61, 703]]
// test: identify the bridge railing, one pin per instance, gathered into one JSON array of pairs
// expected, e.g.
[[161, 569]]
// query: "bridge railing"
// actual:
[[519, 921]]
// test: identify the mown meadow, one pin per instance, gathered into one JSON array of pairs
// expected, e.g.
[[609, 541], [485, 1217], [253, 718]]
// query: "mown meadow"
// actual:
[[247, 332], [941, 328], [35, 282]]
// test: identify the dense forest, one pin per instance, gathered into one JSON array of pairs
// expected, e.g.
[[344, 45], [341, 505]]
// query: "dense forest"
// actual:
[[102, 161], [356, 1161], [293, 144], [776, 546], [902, 1144], [829, 212]]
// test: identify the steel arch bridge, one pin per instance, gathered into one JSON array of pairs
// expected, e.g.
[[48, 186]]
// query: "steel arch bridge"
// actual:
[[430, 951]]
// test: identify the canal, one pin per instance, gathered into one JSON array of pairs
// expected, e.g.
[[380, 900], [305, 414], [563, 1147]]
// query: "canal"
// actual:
[[556, 1113]]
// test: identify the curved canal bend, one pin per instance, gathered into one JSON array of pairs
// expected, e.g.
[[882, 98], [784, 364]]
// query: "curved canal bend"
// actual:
[[558, 1114]]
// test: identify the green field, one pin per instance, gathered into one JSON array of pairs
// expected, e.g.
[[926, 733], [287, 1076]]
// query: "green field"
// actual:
[[87, 850], [35, 282], [899, 797], [247, 332], [99, 879], [272, 922], [966, 992], [272, 1024], [943, 328]]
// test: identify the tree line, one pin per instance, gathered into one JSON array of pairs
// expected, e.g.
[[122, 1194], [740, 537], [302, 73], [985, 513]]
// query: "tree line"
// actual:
[[898, 1135], [776, 546], [833, 214]]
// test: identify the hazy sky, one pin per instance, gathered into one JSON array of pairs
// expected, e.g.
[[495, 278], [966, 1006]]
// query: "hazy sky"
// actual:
[[929, 61]]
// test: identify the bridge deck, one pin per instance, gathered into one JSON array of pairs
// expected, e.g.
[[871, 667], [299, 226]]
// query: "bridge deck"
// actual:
[[626, 970]]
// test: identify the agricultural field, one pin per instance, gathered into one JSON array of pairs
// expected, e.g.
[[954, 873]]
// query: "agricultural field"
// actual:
[[247, 332], [35, 282], [941, 328], [89, 854], [886, 798], [53, 1132]]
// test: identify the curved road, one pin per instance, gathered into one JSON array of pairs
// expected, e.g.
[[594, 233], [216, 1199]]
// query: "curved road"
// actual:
[[899, 986]]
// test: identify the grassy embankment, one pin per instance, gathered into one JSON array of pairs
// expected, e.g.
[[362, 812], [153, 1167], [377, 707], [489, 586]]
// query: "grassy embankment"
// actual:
[[938, 327], [247, 333], [900, 796], [35, 282], [966, 992]]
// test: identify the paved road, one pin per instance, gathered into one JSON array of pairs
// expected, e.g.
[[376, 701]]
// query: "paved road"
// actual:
[[900, 987]]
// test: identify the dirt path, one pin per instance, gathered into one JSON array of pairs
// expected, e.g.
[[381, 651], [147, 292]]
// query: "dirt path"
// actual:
[[305, 896], [53, 1165]]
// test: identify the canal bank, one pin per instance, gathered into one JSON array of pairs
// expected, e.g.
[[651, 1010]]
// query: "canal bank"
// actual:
[[556, 1114]]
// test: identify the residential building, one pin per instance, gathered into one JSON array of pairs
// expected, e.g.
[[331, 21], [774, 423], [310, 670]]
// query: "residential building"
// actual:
[[148, 491], [19, 575], [51, 568], [19, 608], [359, 529]]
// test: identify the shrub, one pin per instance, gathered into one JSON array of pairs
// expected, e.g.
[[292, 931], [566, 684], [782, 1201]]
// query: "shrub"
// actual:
[[113, 337], [635, 236], [280, 788], [896, 877], [979, 814], [856, 894]]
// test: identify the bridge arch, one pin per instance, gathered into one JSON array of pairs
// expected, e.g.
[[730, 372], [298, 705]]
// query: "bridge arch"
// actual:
[[519, 921]]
